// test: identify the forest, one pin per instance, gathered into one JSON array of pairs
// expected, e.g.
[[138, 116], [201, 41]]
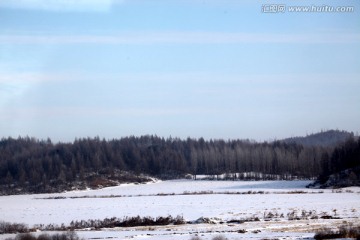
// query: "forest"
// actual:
[[29, 164]]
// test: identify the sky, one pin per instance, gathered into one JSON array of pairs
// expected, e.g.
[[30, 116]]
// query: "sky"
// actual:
[[218, 69]]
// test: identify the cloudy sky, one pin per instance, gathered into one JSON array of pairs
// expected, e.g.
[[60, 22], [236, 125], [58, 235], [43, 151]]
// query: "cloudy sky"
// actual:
[[198, 68]]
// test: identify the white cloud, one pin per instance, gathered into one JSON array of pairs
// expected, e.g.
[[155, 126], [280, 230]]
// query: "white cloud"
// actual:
[[60, 5], [177, 37]]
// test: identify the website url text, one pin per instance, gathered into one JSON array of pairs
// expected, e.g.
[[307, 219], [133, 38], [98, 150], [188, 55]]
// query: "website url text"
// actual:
[[282, 8]]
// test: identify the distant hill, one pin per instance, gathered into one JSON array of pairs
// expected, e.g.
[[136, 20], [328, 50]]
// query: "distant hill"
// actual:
[[324, 138]]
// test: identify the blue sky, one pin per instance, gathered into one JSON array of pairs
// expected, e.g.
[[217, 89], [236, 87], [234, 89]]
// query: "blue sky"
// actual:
[[212, 69]]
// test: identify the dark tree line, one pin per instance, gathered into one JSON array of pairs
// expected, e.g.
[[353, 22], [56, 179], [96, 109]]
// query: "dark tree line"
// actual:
[[29, 161], [346, 156]]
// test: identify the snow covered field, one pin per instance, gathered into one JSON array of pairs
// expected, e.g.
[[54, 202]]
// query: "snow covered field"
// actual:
[[273, 202]]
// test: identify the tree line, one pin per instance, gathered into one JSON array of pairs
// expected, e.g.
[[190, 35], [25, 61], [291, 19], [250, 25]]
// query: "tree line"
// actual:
[[344, 163], [29, 161]]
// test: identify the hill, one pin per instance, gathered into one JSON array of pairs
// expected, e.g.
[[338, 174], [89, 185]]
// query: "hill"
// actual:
[[328, 138]]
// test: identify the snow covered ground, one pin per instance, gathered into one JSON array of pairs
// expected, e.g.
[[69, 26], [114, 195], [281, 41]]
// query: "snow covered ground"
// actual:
[[220, 200]]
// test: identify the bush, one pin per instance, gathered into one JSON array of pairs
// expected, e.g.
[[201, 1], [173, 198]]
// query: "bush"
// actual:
[[125, 222], [219, 237], [195, 238], [25, 236], [63, 236], [149, 221], [6, 227], [345, 231]]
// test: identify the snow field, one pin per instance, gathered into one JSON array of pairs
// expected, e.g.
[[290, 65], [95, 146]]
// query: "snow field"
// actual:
[[143, 200]]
